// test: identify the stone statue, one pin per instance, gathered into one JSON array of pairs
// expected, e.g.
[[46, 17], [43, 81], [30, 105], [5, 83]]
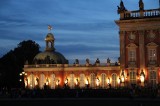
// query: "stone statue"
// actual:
[[108, 60], [87, 61], [77, 61], [121, 8], [141, 5], [97, 61]]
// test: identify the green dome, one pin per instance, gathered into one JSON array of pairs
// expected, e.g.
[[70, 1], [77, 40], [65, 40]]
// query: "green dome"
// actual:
[[49, 37], [50, 58]]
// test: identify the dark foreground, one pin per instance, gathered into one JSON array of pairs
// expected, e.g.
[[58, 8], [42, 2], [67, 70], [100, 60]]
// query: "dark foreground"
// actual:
[[81, 102], [80, 97]]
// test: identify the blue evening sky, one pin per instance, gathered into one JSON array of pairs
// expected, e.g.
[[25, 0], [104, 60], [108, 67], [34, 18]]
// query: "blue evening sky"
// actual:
[[82, 28]]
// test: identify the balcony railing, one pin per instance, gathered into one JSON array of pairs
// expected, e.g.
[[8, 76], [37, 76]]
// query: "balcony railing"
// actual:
[[140, 14], [69, 65]]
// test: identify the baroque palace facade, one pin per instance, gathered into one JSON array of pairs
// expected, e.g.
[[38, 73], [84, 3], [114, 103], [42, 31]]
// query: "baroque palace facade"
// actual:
[[139, 63]]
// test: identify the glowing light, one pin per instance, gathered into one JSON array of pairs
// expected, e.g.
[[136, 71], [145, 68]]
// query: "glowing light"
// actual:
[[47, 82], [57, 82], [142, 78], [119, 80], [77, 81], [108, 80], [122, 78], [66, 81], [97, 81], [87, 82]]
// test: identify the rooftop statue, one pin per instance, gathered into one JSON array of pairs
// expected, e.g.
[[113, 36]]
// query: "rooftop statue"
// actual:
[[141, 5], [121, 8]]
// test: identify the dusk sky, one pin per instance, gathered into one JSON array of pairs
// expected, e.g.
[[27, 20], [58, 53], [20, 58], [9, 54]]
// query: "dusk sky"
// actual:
[[82, 28]]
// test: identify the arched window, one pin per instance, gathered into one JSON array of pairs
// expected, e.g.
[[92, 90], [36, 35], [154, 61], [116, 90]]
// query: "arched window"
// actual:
[[114, 80], [92, 80], [42, 81], [103, 80], [31, 81], [71, 82], [153, 78], [82, 81], [52, 81]]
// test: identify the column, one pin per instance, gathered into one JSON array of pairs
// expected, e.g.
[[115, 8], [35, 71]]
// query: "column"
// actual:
[[141, 49], [122, 49]]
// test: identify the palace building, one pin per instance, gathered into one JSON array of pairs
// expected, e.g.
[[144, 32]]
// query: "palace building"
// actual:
[[139, 62]]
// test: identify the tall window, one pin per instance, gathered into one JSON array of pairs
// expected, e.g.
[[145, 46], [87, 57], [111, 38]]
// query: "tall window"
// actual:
[[42, 81], [114, 80], [52, 81], [103, 80], [152, 54], [132, 55], [71, 81], [153, 78], [31, 83], [132, 77], [92, 79], [82, 81]]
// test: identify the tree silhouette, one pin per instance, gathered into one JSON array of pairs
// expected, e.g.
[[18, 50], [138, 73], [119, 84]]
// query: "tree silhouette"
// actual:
[[11, 64]]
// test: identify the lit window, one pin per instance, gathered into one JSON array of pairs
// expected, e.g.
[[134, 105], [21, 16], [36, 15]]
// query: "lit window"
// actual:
[[132, 55], [152, 54], [132, 77]]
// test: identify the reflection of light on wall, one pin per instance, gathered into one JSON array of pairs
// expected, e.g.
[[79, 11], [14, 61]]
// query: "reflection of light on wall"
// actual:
[[119, 80], [122, 78], [108, 80], [66, 81], [76, 81], [97, 81], [142, 78], [57, 82], [87, 82], [47, 81]]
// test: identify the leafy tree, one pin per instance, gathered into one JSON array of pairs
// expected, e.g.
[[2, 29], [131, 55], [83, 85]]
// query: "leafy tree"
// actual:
[[11, 64]]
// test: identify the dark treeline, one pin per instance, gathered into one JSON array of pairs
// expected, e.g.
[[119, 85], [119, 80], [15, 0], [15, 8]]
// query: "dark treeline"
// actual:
[[11, 64]]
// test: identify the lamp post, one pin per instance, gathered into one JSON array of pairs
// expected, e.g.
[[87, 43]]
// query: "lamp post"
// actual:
[[22, 76], [142, 78], [122, 78]]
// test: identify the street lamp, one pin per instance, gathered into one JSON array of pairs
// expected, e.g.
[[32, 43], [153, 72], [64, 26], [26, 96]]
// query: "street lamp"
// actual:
[[22, 75], [142, 77]]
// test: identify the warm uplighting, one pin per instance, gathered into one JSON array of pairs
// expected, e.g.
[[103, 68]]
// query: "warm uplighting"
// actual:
[[36, 81], [108, 81], [97, 81], [57, 82], [119, 80], [122, 76], [142, 76], [77, 81], [47, 81], [26, 82], [87, 82], [66, 81]]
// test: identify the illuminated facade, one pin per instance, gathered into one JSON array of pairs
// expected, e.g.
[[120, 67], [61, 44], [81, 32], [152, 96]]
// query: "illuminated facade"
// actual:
[[139, 58]]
